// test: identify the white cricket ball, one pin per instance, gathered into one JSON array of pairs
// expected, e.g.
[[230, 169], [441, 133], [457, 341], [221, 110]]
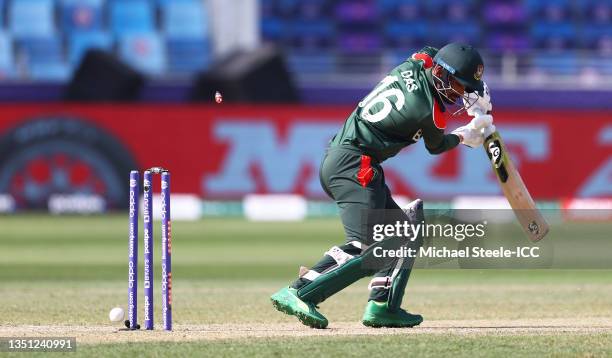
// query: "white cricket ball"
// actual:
[[116, 314]]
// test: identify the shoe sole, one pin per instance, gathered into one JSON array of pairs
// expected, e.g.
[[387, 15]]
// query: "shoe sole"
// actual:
[[303, 318], [375, 324]]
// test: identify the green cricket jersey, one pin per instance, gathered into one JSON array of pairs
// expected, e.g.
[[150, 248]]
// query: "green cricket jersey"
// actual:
[[401, 109]]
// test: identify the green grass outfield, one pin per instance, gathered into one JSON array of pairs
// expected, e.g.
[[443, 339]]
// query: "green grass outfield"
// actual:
[[69, 271]]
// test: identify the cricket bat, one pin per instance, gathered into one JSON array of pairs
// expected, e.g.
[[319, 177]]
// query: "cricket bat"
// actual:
[[514, 189]]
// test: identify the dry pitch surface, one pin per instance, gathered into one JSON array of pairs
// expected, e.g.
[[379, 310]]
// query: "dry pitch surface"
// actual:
[[182, 333]]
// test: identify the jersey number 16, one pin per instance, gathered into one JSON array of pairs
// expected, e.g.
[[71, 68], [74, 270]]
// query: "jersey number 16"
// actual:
[[381, 96]]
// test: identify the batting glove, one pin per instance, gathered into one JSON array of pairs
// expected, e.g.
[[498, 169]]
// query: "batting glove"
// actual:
[[469, 136], [476, 104]]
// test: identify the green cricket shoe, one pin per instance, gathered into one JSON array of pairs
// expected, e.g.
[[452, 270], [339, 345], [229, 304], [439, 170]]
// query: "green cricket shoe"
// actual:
[[287, 301], [377, 315]]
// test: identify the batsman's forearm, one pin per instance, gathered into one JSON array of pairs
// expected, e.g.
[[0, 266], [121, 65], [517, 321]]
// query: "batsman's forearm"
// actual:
[[448, 142]]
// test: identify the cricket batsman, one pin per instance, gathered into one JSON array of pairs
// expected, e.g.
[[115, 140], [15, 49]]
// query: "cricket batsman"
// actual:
[[410, 103]]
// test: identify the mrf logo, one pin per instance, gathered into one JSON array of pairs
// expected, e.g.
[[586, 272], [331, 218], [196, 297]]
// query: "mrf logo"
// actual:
[[258, 157], [261, 159]]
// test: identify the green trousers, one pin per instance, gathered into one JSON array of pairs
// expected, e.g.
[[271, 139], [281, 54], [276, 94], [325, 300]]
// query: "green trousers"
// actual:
[[356, 182]]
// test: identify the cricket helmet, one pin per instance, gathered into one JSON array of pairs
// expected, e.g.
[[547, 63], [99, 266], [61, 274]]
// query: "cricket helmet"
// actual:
[[464, 63]]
